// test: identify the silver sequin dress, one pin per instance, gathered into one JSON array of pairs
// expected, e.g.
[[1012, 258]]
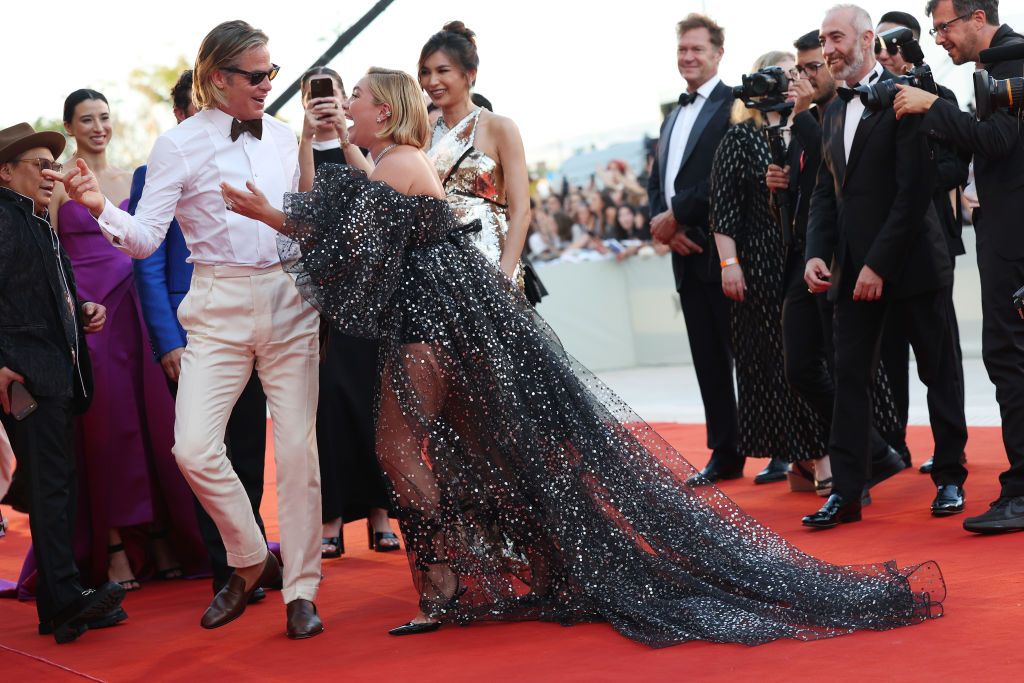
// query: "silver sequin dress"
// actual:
[[525, 488]]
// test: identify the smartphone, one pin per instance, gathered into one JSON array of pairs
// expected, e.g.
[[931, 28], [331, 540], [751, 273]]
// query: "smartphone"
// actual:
[[22, 403], [321, 87]]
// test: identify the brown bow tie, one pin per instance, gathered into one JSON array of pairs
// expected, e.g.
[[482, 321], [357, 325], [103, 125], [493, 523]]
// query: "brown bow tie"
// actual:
[[253, 128]]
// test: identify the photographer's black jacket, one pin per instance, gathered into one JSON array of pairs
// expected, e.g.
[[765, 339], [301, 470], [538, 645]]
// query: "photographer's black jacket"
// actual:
[[877, 209], [998, 148], [38, 334], [804, 159]]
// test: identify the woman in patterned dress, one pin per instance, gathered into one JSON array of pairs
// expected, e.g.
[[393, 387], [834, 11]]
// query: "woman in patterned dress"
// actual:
[[774, 422]]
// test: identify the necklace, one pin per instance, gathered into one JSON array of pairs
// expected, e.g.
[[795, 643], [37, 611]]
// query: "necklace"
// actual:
[[384, 151]]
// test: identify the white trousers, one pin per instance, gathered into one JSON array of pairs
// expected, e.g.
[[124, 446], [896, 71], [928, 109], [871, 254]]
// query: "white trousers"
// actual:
[[236, 316]]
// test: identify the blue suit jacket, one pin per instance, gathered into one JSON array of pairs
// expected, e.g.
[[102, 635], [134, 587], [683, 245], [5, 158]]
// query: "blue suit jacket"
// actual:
[[162, 280]]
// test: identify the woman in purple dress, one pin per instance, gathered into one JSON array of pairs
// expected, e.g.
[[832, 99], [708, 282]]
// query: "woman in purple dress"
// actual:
[[134, 505]]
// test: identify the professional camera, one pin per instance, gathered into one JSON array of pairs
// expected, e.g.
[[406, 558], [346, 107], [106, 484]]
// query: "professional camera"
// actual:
[[764, 90], [1018, 301], [991, 94], [880, 95]]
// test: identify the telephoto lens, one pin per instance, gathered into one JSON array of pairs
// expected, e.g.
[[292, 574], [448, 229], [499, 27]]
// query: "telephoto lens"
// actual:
[[991, 94]]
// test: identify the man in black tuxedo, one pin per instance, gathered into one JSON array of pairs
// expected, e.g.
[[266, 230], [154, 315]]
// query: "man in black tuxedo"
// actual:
[[43, 350], [807, 317], [678, 193], [965, 28], [872, 216]]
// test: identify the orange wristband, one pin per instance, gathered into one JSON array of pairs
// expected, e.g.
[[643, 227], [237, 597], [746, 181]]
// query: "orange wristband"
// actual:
[[731, 261]]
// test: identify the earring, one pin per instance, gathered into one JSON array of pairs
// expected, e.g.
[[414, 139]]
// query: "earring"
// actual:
[[380, 119]]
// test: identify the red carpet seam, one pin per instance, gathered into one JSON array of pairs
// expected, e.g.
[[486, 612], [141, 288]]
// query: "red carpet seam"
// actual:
[[53, 664]]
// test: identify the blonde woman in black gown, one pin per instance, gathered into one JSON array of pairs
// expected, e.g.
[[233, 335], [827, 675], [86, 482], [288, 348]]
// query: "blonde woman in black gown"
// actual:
[[526, 489]]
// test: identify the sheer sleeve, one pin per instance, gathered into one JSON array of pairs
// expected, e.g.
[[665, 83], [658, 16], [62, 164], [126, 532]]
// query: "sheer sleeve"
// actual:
[[728, 183], [345, 245]]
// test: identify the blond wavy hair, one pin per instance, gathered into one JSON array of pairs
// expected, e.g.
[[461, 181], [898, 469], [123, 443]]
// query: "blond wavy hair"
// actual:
[[220, 48], [408, 124]]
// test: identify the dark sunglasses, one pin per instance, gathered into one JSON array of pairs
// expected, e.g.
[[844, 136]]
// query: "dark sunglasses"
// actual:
[[43, 164], [255, 77]]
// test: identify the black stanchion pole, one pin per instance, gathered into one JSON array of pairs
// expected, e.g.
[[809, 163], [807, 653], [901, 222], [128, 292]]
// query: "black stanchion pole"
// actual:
[[340, 44]]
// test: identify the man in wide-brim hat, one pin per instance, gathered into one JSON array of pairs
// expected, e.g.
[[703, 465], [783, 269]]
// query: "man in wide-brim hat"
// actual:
[[44, 361]]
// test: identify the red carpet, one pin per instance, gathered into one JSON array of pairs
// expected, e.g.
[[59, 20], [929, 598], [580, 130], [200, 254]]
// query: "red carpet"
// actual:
[[365, 593]]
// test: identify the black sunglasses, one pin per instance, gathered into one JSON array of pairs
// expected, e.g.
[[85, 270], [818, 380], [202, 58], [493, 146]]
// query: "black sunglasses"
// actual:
[[255, 77]]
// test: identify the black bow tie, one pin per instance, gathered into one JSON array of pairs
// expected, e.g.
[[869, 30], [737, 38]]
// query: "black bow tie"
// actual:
[[846, 94], [253, 128], [687, 98]]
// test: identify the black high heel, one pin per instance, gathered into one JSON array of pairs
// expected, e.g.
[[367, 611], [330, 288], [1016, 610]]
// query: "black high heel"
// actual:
[[129, 585], [175, 571], [339, 547], [375, 538], [416, 627]]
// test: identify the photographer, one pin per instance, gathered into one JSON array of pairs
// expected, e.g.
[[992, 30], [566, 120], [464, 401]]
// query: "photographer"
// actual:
[[951, 167], [806, 317], [965, 28], [871, 216]]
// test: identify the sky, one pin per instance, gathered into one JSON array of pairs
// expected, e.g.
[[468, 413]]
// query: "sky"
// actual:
[[570, 73]]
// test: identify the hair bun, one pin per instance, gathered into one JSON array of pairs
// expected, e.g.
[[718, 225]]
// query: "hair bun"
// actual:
[[461, 29]]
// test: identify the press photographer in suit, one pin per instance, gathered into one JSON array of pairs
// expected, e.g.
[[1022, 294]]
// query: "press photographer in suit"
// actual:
[[872, 218], [679, 202], [965, 28]]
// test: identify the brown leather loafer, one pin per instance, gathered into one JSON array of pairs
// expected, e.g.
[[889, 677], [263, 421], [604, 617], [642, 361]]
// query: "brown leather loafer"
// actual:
[[303, 621], [229, 603]]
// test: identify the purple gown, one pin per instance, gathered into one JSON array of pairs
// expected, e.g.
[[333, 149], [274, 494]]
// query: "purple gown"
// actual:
[[127, 476]]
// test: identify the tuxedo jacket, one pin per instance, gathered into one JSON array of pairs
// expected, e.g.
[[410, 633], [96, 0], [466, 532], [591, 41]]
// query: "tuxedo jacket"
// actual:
[[691, 181], [876, 209], [40, 338], [162, 280], [998, 148]]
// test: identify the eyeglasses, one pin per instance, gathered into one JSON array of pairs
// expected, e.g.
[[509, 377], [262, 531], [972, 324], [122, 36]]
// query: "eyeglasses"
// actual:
[[43, 164], [943, 28], [255, 77], [810, 68]]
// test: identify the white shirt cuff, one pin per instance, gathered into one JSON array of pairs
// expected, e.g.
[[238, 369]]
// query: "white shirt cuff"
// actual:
[[108, 223]]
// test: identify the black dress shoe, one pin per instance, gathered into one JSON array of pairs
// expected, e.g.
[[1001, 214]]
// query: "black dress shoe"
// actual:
[[1006, 514], [926, 466], [891, 464], [92, 606], [229, 603], [415, 627], [303, 621], [775, 471], [712, 473], [949, 500], [106, 621], [904, 452], [834, 512]]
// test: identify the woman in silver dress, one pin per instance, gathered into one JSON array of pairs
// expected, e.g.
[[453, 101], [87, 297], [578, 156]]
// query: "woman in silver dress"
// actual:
[[478, 155]]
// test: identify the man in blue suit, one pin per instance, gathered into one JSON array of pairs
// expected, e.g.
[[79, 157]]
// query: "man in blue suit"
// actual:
[[162, 280]]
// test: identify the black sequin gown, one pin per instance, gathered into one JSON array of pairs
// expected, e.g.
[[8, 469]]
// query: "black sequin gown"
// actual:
[[526, 489], [774, 421]]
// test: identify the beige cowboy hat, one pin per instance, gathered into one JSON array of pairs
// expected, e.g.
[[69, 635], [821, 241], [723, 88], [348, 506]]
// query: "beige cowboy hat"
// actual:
[[21, 137]]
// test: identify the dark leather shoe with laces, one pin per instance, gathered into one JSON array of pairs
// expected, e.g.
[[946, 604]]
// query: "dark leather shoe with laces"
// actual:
[[713, 473], [229, 603], [93, 605], [303, 621], [891, 464], [775, 471], [834, 512], [1006, 514], [949, 500]]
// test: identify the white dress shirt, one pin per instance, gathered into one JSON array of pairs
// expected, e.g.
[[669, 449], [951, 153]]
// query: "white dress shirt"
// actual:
[[186, 167], [855, 110], [680, 135]]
